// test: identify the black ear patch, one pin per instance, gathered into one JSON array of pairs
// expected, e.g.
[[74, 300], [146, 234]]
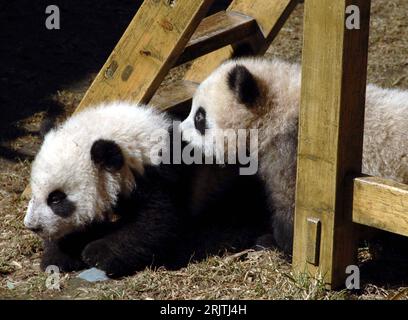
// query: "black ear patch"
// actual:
[[107, 154], [243, 84]]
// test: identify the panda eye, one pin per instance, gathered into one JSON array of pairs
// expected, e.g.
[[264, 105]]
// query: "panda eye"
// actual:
[[200, 120], [56, 197]]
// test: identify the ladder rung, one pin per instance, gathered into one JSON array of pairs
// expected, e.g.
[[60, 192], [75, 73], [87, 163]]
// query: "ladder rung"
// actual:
[[217, 31], [174, 96]]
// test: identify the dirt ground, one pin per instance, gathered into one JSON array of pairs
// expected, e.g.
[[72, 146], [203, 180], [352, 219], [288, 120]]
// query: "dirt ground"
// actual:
[[45, 75]]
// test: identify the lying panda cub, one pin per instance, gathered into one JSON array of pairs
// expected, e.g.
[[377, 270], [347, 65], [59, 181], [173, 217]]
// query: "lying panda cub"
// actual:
[[99, 197], [265, 95], [98, 167]]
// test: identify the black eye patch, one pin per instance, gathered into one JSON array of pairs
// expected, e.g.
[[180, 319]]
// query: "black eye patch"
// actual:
[[200, 121], [60, 204]]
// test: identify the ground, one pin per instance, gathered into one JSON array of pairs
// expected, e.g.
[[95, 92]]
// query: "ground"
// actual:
[[46, 73]]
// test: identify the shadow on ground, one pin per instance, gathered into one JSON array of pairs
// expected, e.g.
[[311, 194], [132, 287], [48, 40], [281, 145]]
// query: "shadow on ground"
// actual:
[[36, 62], [389, 264]]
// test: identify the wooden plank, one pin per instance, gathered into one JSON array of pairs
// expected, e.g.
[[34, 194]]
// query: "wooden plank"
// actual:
[[330, 133], [270, 17], [175, 95], [147, 50], [203, 66], [381, 203], [217, 31]]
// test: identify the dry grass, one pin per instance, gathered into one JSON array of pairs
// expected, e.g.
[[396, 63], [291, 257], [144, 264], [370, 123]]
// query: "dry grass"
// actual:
[[256, 275], [252, 275]]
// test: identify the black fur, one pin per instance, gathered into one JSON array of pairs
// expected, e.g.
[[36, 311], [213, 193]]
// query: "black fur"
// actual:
[[159, 224], [243, 84], [148, 231], [60, 204], [107, 154], [66, 252], [65, 261], [200, 121], [232, 218], [157, 228]]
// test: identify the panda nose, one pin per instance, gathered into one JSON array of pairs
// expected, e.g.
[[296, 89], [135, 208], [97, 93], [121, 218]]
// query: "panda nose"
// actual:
[[33, 226]]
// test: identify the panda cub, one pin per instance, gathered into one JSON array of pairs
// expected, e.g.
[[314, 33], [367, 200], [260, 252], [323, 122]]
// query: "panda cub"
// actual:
[[265, 94], [98, 196], [101, 196]]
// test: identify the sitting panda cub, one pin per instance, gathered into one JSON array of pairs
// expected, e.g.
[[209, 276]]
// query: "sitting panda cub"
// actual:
[[98, 197], [264, 94]]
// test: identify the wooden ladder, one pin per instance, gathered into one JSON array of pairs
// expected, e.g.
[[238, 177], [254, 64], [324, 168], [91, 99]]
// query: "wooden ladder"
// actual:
[[164, 34]]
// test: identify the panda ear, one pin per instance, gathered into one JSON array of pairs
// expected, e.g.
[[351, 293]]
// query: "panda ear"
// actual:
[[107, 154], [243, 84]]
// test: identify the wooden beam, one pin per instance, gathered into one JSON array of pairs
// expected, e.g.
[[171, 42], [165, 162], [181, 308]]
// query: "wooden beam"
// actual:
[[331, 121], [381, 203], [270, 17], [217, 31], [175, 95], [147, 50]]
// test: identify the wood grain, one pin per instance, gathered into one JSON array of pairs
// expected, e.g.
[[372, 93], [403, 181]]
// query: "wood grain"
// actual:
[[217, 31], [270, 17], [175, 95], [150, 46], [331, 121], [381, 203]]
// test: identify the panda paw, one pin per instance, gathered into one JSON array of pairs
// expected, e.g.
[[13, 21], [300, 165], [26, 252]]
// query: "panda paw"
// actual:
[[99, 254], [65, 263]]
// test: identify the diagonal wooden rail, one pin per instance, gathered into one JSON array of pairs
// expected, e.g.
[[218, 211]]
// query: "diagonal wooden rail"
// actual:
[[150, 46], [216, 31]]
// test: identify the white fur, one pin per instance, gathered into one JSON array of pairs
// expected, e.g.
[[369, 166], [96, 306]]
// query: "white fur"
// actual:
[[64, 163], [275, 115]]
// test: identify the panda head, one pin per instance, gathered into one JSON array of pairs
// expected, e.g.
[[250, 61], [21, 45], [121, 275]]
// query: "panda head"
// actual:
[[84, 165], [229, 99]]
